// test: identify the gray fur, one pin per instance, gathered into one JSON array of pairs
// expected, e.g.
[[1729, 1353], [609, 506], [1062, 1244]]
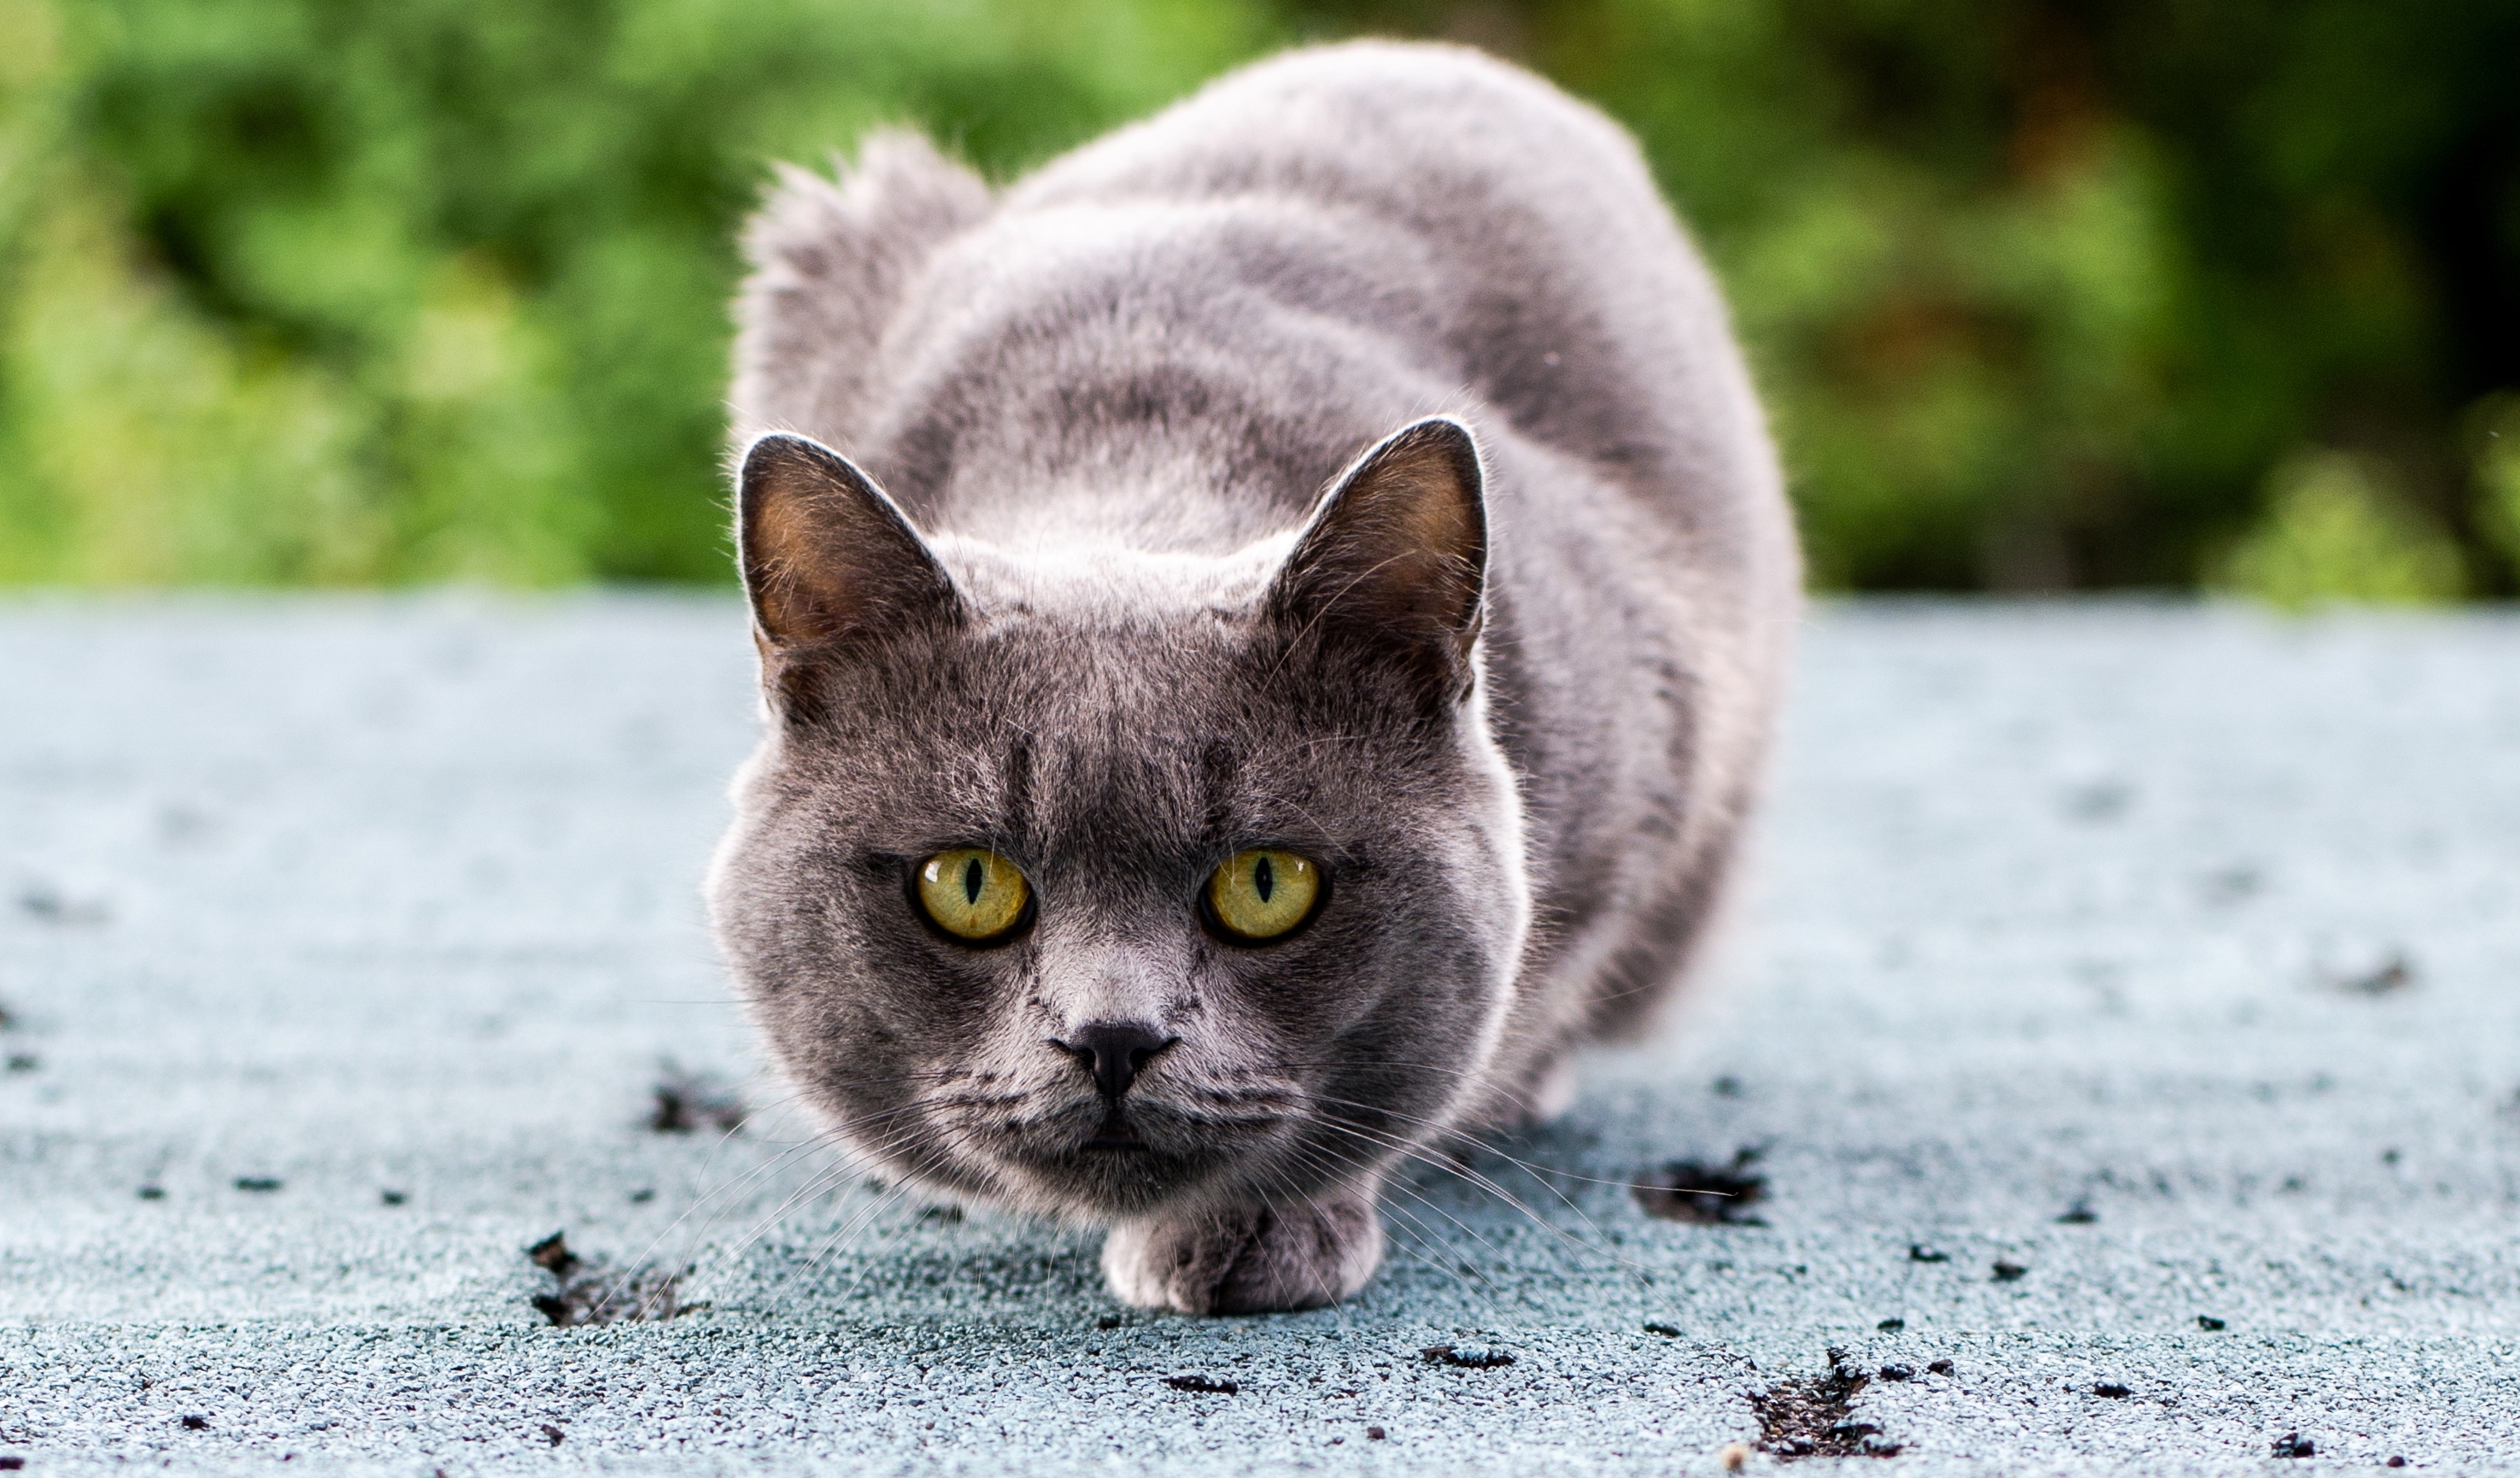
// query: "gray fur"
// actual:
[[1516, 699]]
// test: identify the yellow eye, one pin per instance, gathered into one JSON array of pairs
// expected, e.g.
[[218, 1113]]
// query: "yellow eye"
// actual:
[[1263, 894], [973, 894]]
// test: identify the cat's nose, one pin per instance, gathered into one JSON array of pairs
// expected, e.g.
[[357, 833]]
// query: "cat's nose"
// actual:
[[1114, 1051]]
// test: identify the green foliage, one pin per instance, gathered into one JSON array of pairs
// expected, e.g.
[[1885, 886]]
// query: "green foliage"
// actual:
[[2496, 462], [307, 291], [2331, 534], [2041, 292], [2043, 295]]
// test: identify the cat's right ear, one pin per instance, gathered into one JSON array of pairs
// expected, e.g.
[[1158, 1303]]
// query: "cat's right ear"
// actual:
[[1394, 558], [831, 564]]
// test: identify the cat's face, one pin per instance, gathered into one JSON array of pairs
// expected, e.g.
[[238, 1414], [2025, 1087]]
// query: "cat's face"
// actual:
[[1104, 888]]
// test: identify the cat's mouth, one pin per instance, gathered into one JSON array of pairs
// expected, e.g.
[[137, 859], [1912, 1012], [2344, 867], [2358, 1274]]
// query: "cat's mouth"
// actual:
[[1093, 1154], [1117, 1136]]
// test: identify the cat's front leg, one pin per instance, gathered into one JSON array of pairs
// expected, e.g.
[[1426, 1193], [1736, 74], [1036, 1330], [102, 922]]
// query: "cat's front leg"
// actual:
[[1258, 1259]]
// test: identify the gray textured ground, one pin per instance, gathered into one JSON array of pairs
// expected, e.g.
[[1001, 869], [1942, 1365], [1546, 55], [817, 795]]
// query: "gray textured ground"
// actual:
[[2059, 907]]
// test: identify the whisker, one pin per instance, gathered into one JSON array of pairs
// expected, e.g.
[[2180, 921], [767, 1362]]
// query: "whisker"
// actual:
[[1471, 1176], [1541, 1173], [1416, 1226], [834, 1135], [1420, 1198]]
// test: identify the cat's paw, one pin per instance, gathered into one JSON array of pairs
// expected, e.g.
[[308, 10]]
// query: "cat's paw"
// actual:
[[1248, 1260]]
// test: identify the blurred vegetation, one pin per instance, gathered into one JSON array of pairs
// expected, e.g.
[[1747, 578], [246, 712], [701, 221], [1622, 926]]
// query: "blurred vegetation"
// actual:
[[2045, 295], [2335, 533]]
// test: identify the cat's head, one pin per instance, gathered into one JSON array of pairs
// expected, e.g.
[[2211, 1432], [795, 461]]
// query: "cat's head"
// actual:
[[1105, 882]]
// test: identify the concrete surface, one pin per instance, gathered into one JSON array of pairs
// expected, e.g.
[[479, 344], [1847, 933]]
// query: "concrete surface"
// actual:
[[2197, 921]]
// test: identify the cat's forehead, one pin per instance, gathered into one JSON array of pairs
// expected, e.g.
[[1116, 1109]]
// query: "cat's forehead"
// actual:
[[1090, 585], [1099, 695]]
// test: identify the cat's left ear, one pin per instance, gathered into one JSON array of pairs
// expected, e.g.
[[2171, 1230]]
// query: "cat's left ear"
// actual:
[[1395, 556], [831, 564]]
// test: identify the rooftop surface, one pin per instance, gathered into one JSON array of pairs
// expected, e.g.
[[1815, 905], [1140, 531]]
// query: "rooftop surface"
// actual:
[[2121, 1035]]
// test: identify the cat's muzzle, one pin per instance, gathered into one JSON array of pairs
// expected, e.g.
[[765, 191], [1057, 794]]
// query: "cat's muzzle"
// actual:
[[1128, 1156]]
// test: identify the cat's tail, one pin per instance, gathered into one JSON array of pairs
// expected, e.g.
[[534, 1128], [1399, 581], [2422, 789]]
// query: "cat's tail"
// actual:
[[831, 260]]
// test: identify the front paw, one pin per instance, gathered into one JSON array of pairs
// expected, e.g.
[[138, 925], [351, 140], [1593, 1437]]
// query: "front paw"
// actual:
[[1248, 1259]]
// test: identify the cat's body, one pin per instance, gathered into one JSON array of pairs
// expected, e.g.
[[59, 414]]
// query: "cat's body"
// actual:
[[1110, 399]]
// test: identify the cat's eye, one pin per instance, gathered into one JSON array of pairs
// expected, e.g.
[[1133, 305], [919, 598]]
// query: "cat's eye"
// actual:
[[1262, 895], [973, 894]]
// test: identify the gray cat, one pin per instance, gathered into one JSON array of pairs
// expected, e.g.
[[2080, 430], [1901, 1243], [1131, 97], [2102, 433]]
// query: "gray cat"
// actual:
[[1286, 656]]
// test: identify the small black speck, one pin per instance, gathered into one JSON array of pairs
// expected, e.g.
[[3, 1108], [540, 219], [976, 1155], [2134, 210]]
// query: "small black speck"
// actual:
[[2393, 975], [197, 1423], [1918, 1252], [1891, 1325], [552, 1256], [2396, 1463], [2005, 1272], [1898, 1372], [2209, 1324], [1707, 1194], [689, 1102], [393, 1197], [1942, 1367], [1374, 1434], [1727, 1087], [257, 1183], [1109, 1322], [1202, 1385], [2080, 1214], [11, 1463], [1466, 1357], [23, 1062], [643, 1195], [2295, 1445], [554, 1433], [152, 1193], [1667, 1332], [2112, 1390]]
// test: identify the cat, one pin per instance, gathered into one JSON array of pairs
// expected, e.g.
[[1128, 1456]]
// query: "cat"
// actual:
[[1269, 629]]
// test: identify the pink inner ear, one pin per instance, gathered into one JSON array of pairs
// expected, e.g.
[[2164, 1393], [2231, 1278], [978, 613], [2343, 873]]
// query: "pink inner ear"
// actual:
[[827, 557], [1400, 546]]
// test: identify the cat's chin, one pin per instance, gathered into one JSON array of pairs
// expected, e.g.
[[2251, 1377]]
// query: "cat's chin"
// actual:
[[1088, 1164], [1102, 1182]]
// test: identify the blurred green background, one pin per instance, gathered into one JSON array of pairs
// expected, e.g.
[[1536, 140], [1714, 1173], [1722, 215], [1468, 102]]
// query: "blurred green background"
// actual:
[[2043, 296]]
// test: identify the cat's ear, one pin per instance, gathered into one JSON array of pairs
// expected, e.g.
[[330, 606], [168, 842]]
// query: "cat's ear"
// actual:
[[1395, 556], [830, 562]]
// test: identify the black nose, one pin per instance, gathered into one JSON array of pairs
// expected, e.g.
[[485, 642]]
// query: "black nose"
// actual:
[[1113, 1052]]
